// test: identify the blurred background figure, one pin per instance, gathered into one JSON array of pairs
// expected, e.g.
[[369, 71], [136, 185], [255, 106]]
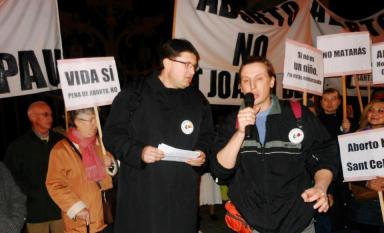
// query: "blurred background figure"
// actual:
[[77, 174], [12, 203], [27, 159]]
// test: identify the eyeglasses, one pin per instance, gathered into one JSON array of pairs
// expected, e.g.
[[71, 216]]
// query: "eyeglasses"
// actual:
[[44, 114], [91, 120], [187, 65]]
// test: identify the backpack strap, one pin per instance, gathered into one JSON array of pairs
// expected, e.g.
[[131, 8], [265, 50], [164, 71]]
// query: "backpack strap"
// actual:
[[297, 112], [74, 147]]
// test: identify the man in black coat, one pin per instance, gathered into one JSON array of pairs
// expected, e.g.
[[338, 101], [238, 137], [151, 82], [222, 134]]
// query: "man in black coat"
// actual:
[[154, 195], [27, 158]]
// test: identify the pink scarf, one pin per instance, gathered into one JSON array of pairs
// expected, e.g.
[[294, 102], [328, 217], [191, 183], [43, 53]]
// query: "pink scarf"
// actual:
[[94, 166]]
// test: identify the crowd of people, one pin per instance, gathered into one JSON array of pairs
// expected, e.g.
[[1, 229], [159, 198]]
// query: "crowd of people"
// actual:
[[279, 159]]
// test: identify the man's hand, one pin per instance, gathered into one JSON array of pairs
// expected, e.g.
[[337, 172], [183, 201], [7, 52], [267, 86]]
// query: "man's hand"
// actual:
[[318, 195], [246, 116], [151, 154], [198, 161], [346, 125], [84, 215]]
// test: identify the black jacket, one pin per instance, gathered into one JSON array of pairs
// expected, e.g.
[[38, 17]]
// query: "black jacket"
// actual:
[[163, 196], [27, 158], [268, 180]]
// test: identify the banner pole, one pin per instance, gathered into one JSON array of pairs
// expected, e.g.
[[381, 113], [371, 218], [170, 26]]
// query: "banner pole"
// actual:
[[369, 92], [100, 133], [305, 98], [344, 89], [174, 19], [381, 204], [66, 119], [358, 93]]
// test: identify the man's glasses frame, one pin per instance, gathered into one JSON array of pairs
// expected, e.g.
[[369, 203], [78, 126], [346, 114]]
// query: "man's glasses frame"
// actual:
[[186, 64]]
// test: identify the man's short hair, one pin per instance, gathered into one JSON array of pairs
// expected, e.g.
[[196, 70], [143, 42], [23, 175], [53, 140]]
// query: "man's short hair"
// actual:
[[332, 90], [174, 47], [259, 59], [33, 105]]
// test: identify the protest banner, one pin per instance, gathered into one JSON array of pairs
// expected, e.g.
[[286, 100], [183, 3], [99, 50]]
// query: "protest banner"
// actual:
[[30, 43], [362, 154], [88, 82], [303, 68], [378, 63], [345, 53]]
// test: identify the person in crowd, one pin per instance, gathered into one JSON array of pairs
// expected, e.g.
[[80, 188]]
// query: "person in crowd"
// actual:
[[157, 195], [12, 203], [210, 194], [278, 177], [337, 219], [365, 207], [77, 173], [27, 158]]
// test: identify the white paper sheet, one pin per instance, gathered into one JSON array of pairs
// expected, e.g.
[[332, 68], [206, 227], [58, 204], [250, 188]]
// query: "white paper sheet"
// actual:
[[175, 154]]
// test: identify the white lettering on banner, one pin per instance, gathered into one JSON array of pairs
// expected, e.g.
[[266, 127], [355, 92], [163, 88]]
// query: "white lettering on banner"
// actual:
[[88, 82], [362, 154]]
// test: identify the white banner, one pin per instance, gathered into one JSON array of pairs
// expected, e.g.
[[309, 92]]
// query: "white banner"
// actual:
[[362, 154], [346, 53], [88, 82], [378, 63], [303, 68], [30, 42], [225, 35]]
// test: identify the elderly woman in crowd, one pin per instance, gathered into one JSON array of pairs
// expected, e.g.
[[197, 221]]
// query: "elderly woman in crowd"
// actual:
[[366, 207], [77, 174]]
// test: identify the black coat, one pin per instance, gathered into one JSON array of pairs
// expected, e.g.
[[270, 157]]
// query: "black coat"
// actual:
[[268, 179], [162, 196], [27, 158]]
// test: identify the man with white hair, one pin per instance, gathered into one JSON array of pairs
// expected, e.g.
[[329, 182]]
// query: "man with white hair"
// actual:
[[27, 158]]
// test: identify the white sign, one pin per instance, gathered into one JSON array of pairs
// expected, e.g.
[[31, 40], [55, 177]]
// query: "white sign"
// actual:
[[362, 154], [30, 43], [225, 36], [378, 63], [364, 80], [88, 82], [303, 68], [346, 53]]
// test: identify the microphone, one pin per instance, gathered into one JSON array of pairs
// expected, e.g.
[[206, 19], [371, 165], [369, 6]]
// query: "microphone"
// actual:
[[249, 99]]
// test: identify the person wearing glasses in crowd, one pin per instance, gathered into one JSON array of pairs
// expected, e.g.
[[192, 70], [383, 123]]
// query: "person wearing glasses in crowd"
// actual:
[[77, 173], [27, 158], [156, 195]]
